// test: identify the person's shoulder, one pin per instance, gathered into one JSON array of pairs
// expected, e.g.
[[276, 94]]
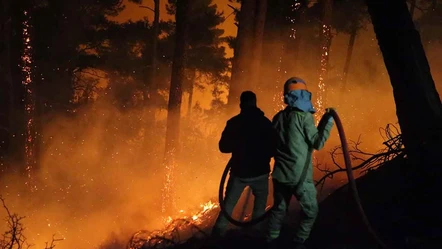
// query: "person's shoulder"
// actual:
[[234, 119], [306, 117], [278, 114]]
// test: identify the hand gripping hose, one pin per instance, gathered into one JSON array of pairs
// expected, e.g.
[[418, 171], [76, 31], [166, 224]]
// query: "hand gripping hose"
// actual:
[[329, 112]]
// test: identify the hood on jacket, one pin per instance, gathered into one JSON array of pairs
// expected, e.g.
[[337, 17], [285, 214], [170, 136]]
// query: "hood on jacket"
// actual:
[[300, 99]]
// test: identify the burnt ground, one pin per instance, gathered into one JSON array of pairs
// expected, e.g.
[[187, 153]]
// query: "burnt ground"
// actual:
[[400, 201]]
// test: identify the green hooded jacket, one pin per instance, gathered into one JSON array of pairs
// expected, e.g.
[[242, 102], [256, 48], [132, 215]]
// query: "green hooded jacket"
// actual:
[[297, 137]]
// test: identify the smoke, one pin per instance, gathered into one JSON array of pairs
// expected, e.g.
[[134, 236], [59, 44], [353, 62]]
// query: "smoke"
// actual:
[[100, 180], [101, 171]]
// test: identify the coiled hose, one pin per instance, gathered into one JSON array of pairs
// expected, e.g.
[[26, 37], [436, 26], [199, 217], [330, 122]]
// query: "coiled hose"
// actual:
[[351, 180]]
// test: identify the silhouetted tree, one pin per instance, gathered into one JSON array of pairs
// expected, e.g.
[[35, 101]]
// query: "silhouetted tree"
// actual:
[[430, 22], [349, 17], [6, 94], [151, 86], [183, 8], [242, 52], [259, 24], [418, 105], [65, 38], [206, 55]]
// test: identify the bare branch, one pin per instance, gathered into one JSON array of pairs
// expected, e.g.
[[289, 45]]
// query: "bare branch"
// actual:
[[52, 245], [360, 166], [13, 237], [233, 8], [147, 7]]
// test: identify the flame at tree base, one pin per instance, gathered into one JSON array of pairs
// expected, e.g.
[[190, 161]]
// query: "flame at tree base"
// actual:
[[177, 228]]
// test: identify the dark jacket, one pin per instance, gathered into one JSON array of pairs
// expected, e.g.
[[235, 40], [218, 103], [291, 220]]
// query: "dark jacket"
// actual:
[[250, 138]]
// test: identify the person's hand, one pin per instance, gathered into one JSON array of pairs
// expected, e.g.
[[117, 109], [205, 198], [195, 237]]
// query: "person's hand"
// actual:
[[329, 109], [328, 112]]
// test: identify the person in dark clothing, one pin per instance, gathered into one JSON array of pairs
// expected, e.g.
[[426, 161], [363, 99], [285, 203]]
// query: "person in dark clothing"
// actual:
[[249, 137]]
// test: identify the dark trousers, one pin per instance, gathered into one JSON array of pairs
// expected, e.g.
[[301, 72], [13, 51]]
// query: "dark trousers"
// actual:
[[234, 189]]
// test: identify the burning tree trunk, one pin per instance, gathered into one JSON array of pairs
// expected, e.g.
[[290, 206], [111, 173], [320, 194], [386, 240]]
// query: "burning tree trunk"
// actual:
[[175, 97], [418, 104], [326, 43], [29, 102], [6, 94], [351, 43], [260, 18], [242, 52]]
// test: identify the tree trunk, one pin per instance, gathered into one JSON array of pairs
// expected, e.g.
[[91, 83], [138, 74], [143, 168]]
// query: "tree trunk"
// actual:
[[259, 23], [412, 7], [31, 133], [151, 85], [6, 94], [175, 97], [326, 43], [191, 87], [351, 43], [155, 33], [418, 104], [242, 52], [292, 43]]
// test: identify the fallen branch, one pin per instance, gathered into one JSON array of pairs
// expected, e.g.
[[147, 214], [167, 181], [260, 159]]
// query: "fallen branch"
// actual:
[[393, 148], [360, 166]]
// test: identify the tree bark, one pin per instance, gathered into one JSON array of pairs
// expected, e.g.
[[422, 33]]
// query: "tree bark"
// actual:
[[151, 85], [418, 105], [175, 99], [6, 94], [351, 43], [242, 52], [259, 24], [155, 33], [292, 43], [412, 7], [192, 83]]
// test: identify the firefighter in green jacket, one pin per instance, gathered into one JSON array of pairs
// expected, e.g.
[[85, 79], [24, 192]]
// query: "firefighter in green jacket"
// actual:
[[293, 170]]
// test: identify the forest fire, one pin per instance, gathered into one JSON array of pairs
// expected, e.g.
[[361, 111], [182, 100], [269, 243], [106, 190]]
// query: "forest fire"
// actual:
[[84, 119], [177, 228]]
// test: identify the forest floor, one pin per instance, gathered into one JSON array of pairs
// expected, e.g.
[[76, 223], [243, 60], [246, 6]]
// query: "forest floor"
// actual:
[[400, 202]]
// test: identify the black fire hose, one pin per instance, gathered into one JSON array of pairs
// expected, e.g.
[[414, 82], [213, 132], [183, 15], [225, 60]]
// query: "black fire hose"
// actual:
[[227, 215], [329, 112], [351, 179]]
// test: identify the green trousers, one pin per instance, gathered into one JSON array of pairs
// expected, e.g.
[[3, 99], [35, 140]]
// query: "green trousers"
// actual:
[[306, 195]]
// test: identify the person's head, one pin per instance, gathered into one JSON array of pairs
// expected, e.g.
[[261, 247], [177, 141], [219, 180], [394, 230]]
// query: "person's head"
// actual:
[[294, 83], [296, 95], [247, 99]]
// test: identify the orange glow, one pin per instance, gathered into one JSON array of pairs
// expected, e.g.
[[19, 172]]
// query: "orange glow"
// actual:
[[97, 182], [326, 34]]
